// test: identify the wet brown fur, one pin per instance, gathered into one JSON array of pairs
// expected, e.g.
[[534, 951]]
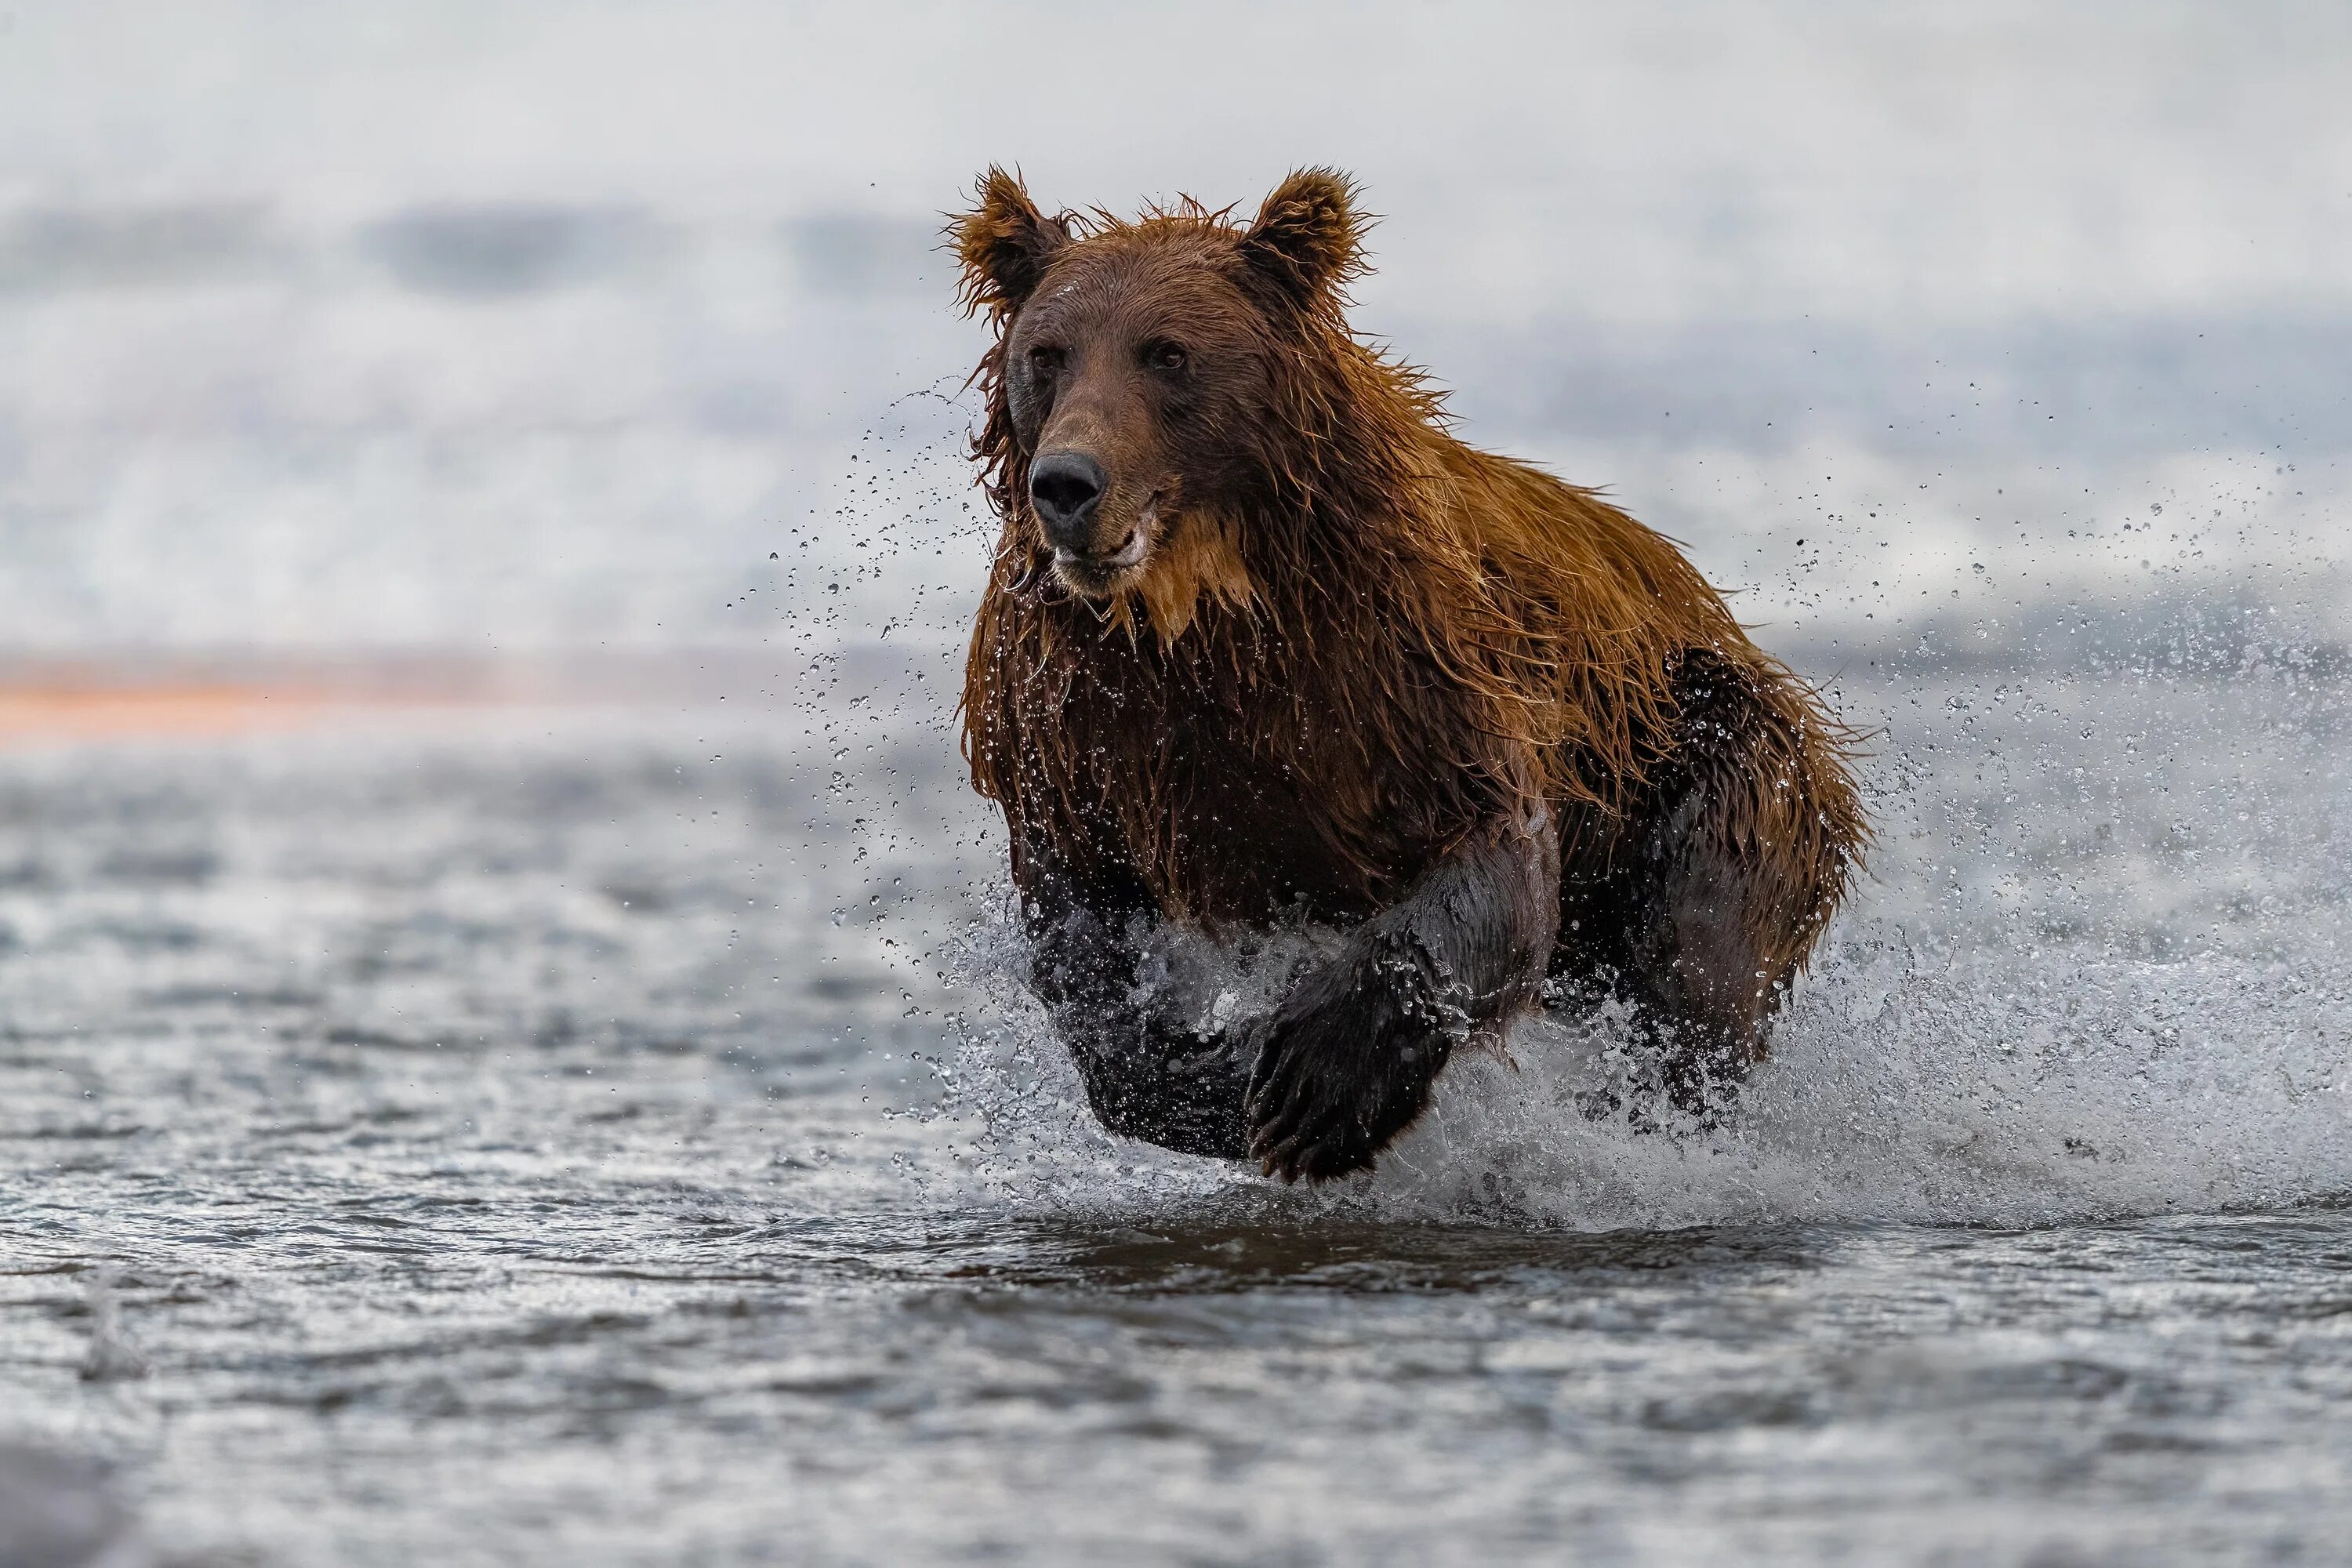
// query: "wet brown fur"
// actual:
[[1325, 677]]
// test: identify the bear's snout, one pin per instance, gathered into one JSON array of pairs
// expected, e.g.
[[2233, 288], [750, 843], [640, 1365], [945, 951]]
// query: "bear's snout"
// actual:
[[1064, 488]]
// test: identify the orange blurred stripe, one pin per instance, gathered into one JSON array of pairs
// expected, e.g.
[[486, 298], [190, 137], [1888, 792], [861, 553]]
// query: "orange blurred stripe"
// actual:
[[33, 713]]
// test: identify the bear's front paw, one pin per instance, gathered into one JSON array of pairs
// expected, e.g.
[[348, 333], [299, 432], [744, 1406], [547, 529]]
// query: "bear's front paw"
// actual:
[[1336, 1079]]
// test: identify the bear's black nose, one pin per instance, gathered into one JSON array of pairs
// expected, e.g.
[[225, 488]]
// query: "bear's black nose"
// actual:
[[1064, 486]]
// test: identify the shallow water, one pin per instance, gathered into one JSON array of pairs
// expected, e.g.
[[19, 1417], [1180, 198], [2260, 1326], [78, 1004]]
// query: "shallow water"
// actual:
[[600, 1137]]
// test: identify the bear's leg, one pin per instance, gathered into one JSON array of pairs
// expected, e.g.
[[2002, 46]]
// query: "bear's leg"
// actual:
[[1700, 969], [1346, 1062], [1710, 899], [1147, 1075]]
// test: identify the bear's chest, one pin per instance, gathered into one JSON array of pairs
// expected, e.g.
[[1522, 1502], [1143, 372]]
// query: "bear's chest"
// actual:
[[1282, 804]]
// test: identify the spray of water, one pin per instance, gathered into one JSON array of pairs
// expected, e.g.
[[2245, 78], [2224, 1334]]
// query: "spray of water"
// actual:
[[2103, 965]]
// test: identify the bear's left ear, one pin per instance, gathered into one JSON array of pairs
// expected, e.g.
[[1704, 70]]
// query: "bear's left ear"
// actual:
[[1308, 238], [1004, 245]]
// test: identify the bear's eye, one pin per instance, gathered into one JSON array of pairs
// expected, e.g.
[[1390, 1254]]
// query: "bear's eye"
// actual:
[[1045, 359], [1169, 357]]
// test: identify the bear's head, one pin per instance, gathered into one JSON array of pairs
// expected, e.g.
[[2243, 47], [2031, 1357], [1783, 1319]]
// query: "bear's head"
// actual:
[[1141, 377]]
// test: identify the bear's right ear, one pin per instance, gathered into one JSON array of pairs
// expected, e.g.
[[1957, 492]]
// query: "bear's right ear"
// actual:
[[1004, 245]]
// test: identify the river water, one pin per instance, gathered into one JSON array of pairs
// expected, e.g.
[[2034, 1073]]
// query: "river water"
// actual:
[[602, 1134]]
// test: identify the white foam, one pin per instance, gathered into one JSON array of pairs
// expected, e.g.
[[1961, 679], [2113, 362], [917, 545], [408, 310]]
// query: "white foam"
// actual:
[[1994, 1089]]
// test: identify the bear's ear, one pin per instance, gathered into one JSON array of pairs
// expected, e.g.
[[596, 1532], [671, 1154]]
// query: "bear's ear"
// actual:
[[1004, 245], [1308, 238]]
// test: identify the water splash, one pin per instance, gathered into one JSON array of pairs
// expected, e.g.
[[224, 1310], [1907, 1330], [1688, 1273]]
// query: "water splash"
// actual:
[[1991, 1088], [2099, 973]]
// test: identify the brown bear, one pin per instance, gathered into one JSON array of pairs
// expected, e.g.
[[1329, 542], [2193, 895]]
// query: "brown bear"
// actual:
[[1263, 642]]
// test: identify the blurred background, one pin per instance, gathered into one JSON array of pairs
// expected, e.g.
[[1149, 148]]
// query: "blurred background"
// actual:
[[474, 331], [511, 1037]]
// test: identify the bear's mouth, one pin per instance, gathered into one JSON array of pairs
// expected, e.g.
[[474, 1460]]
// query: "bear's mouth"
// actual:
[[1097, 576]]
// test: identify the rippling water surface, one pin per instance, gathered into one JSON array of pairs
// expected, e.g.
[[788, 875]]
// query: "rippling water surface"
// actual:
[[600, 1137]]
